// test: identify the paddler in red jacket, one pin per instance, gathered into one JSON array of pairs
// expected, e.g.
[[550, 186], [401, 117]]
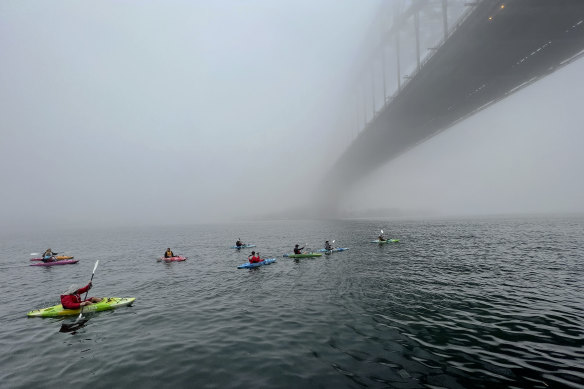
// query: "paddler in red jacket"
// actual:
[[71, 298], [253, 258]]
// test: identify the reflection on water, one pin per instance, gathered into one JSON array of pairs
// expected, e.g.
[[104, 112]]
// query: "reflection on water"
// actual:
[[457, 304]]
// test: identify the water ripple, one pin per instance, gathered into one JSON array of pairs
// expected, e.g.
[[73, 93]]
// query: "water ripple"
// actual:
[[456, 304]]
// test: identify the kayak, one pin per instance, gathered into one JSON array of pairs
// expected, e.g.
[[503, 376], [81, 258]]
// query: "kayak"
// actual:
[[245, 246], [59, 258], [178, 258], [56, 263], [257, 264], [333, 250], [104, 305], [385, 241], [304, 255]]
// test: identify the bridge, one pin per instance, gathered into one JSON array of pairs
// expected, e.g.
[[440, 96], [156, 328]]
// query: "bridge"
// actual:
[[493, 49]]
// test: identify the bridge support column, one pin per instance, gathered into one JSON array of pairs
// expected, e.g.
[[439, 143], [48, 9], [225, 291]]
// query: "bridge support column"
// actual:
[[373, 88], [396, 15], [383, 74], [398, 60], [417, 27], [445, 17], [356, 120], [364, 107]]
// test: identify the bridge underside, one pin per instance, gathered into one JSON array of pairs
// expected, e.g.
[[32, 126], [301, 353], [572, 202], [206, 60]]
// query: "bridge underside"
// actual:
[[494, 52]]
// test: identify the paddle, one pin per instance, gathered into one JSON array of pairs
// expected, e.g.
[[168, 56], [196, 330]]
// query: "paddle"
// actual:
[[86, 293], [34, 253]]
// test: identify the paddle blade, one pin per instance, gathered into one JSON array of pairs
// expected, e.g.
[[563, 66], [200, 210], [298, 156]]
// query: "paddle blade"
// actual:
[[34, 253], [95, 267], [382, 231]]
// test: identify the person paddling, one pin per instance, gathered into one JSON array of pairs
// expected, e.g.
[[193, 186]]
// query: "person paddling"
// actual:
[[328, 246], [298, 250], [168, 253], [381, 238], [71, 299], [239, 243], [253, 258], [49, 256]]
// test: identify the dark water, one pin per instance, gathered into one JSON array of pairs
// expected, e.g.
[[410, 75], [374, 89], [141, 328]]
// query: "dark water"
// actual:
[[457, 304]]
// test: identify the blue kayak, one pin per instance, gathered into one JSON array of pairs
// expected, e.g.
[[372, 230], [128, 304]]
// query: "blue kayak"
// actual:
[[333, 250], [245, 246], [257, 264]]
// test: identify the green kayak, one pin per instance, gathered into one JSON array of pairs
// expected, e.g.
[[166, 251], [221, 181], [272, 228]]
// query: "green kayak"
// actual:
[[104, 305], [303, 255], [385, 241]]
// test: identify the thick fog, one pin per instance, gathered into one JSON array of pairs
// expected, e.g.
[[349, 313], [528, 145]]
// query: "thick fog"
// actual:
[[169, 111], [163, 112], [522, 155]]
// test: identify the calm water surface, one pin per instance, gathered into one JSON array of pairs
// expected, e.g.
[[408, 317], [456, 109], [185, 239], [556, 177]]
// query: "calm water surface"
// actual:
[[490, 303]]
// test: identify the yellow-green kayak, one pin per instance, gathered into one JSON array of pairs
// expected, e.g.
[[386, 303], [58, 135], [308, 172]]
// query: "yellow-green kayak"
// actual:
[[104, 305]]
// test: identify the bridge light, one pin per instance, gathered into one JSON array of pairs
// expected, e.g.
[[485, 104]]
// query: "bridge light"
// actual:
[[490, 18], [502, 6]]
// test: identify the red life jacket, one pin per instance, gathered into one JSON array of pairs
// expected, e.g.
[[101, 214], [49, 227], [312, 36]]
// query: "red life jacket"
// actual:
[[72, 301]]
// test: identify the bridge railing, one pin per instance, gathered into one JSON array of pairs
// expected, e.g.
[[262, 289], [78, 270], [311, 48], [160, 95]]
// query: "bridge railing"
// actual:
[[413, 69]]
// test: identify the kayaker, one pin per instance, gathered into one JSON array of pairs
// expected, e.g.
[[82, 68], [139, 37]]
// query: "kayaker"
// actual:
[[327, 246], [49, 256], [298, 250], [381, 238], [253, 258], [71, 299], [239, 243], [168, 253]]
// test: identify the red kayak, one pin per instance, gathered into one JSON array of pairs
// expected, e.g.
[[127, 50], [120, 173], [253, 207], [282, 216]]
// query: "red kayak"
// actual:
[[56, 263], [173, 259], [59, 258]]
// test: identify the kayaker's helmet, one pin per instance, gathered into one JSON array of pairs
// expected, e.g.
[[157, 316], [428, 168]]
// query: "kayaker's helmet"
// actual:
[[71, 289], [326, 241], [253, 253], [296, 246]]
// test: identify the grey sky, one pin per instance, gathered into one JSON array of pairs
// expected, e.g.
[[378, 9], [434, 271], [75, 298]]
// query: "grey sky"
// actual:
[[174, 111], [185, 111]]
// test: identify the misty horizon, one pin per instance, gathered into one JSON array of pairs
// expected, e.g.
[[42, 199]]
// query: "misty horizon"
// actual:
[[194, 112]]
